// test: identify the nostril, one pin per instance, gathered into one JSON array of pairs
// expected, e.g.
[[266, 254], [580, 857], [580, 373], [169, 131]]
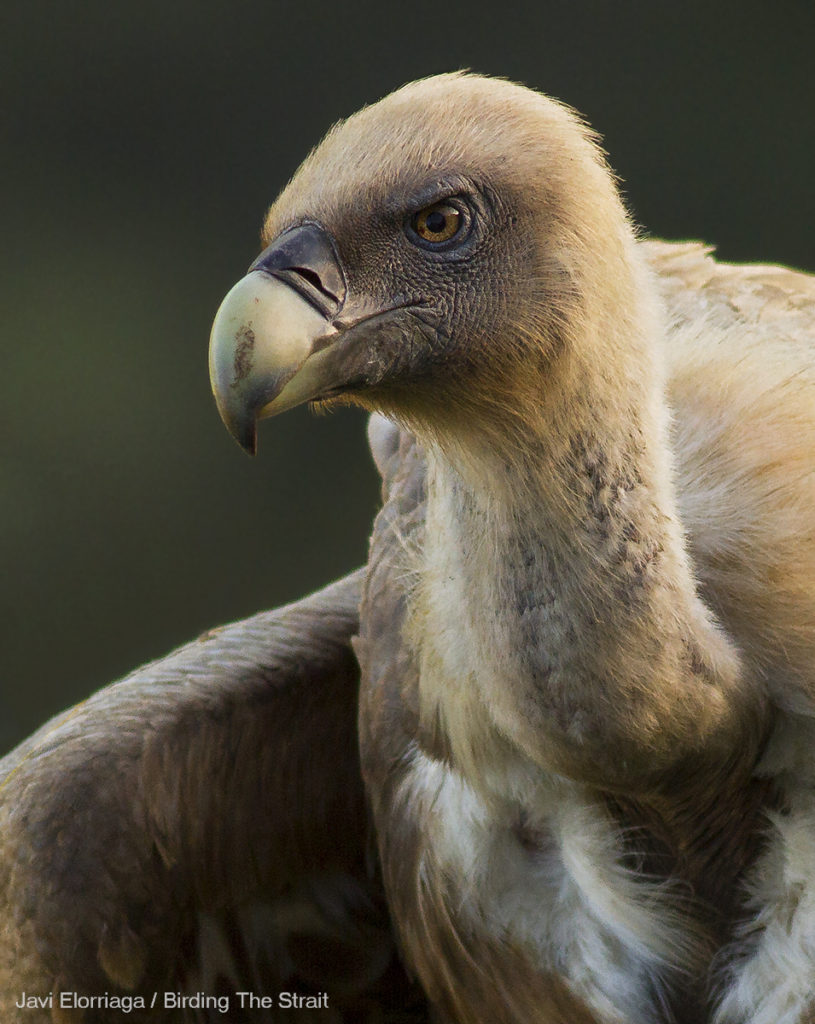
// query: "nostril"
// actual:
[[313, 279], [307, 259]]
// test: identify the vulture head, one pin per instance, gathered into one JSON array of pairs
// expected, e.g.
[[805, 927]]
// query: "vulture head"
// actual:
[[455, 256]]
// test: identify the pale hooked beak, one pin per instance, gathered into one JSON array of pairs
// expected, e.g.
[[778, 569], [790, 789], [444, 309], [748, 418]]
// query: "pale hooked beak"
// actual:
[[272, 329]]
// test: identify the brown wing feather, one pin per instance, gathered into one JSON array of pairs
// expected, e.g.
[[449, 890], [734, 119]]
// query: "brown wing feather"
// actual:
[[760, 295], [202, 825], [741, 375]]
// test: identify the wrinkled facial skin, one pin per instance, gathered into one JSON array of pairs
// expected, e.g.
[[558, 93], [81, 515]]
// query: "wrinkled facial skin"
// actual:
[[422, 304]]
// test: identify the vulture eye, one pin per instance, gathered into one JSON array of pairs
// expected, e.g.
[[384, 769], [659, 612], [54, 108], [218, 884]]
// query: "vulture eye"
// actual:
[[439, 226]]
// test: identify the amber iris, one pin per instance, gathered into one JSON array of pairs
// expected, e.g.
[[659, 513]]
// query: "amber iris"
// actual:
[[437, 223]]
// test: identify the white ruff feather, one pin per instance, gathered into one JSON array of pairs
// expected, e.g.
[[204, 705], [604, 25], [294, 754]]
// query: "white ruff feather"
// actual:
[[569, 903], [770, 978]]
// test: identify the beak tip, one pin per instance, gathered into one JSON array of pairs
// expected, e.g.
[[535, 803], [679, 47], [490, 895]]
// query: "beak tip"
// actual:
[[241, 424], [245, 433]]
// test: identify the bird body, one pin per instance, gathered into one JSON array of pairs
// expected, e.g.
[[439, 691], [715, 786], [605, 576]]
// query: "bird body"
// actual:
[[562, 847], [586, 628]]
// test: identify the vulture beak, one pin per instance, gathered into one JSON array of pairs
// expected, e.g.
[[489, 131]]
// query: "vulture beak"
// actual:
[[272, 329]]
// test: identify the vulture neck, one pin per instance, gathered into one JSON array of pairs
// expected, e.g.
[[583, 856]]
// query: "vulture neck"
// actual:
[[557, 615]]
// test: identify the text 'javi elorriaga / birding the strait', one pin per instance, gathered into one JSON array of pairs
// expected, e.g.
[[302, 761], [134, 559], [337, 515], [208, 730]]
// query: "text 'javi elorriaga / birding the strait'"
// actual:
[[172, 1001]]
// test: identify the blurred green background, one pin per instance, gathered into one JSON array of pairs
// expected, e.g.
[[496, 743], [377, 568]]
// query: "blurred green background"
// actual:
[[141, 144]]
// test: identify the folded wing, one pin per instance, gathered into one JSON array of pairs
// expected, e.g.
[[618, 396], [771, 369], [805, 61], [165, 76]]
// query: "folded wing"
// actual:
[[201, 827]]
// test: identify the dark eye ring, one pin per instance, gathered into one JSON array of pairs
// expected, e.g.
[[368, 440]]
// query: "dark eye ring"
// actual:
[[441, 225]]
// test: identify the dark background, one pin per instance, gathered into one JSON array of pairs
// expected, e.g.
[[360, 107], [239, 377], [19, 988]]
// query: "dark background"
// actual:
[[142, 142]]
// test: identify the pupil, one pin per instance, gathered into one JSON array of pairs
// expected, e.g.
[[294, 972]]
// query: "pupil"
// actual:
[[436, 222]]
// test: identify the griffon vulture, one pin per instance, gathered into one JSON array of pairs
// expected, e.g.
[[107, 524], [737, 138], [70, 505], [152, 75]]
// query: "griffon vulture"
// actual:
[[580, 784]]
